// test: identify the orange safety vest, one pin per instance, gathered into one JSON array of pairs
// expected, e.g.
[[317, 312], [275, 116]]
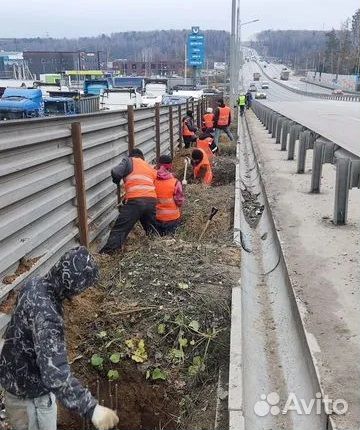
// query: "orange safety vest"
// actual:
[[204, 163], [166, 209], [185, 130], [141, 181], [205, 146], [224, 115], [208, 120]]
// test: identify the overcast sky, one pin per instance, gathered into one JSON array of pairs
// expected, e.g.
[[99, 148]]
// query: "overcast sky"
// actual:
[[69, 18]]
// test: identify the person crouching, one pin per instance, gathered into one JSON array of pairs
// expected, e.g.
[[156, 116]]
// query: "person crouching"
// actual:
[[170, 197], [201, 166]]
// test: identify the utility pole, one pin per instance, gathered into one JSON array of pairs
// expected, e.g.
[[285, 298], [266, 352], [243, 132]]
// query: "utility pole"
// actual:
[[185, 65], [232, 53]]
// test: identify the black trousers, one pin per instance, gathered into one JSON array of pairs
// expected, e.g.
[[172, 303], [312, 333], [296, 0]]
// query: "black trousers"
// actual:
[[143, 210], [169, 227], [242, 108], [188, 140]]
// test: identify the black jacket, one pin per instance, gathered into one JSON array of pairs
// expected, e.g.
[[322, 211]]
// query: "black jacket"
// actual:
[[33, 361]]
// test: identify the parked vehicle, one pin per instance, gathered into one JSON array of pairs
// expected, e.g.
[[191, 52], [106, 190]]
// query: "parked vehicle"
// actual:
[[154, 90], [17, 103], [95, 86], [188, 91], [265, 85], [170, 100], [120, 98], [256, 76], [252, 88]]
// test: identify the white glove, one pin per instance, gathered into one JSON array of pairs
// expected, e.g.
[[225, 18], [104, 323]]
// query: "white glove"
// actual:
[[104, 418]]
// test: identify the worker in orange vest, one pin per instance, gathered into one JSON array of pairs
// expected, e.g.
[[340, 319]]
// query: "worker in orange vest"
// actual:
[[206, 142], [201, 166], [208, 120], [222, 121], [140, 199], [170, 197], [188, 129]]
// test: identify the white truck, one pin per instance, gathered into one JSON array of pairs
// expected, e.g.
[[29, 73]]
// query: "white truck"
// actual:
[[188, 91], [154, 90], [120, 98]]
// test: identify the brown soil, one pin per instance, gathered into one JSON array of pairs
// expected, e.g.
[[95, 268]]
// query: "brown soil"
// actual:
[[24, 266], [8, 305], [173, 294]]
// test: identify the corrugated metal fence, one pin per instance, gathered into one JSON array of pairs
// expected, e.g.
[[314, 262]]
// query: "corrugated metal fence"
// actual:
[[55, 184]]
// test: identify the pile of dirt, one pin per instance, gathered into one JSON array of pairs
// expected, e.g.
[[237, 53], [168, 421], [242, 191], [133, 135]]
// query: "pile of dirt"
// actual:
[[157, 325]]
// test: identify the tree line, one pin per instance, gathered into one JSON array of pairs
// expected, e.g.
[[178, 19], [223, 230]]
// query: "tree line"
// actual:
[[335, 51], [156, 45]]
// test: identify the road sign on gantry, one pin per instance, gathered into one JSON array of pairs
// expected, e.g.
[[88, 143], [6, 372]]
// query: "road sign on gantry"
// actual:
[[196, 48]]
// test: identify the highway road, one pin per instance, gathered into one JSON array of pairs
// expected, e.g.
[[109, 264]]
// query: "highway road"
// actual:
[[335, 120]]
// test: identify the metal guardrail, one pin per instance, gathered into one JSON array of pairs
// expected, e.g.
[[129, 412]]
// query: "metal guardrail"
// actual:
[[349, 98], [286, 132], [55, 186], [87, 104]]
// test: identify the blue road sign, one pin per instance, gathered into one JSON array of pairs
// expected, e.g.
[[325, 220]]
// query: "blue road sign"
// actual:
[[196, 48]]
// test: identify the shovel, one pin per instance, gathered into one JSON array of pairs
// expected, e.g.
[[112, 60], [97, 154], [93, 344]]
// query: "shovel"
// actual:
[[214, 211], [187, 162]]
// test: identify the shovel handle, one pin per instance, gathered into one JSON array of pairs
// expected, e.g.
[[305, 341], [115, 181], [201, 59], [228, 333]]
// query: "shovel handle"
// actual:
[[214, 211]]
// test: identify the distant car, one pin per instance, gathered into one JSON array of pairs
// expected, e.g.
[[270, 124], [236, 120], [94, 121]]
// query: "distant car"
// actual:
[[264, 65], [260, 95], [253, 88], [338, 92], [265, 85]]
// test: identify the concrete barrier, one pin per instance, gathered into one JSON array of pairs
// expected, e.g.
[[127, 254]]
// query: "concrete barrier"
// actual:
[[324, 151]]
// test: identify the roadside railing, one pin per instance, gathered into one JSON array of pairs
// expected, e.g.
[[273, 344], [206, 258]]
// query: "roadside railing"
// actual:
[[345, 97], [286, 132], [56, 190]]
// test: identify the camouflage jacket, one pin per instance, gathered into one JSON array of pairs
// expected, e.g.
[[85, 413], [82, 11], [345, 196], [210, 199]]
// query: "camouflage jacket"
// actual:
[[33, 361]]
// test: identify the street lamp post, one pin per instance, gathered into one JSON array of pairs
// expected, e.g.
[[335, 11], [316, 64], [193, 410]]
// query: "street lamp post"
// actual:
[[236, 58]]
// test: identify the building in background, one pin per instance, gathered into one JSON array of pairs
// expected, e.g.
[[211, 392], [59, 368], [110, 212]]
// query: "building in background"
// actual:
[[151, 68], [13, 66], [41, 62]]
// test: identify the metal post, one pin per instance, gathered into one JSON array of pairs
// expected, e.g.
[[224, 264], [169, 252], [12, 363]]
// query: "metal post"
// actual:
[[180, 127], [279, 124], [294, 135], [232, 53], [131, 128], [284, 135], [157, 131], [274, 123], [316, 167], [80, 183], [303, 146], [343, 171], [198, 113], [171, 131], [187, 104]]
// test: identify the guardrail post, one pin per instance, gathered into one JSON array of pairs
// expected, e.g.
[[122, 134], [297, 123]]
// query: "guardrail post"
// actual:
[[180, 126], [171, 131], [269, 121], [187, 104], [131, 128], [76, 137], [294, 135], [199, 116], [342, 186], [193, 105], [274, 124], [279, 125], [302, 151], [316, 167], [284, 134], [157, 131]]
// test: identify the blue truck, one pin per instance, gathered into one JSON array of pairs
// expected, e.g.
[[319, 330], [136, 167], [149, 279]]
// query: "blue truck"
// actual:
[[20, 103]]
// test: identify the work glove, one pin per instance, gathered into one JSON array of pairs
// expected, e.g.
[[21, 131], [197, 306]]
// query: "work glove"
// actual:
[[104, 418]]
